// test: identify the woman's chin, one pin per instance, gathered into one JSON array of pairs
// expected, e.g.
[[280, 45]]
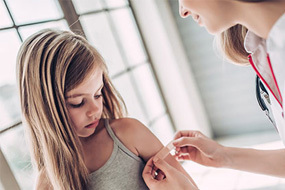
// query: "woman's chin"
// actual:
[[214, 30]]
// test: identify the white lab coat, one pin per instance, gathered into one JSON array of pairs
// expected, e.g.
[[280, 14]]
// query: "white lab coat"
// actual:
[[272, 71]]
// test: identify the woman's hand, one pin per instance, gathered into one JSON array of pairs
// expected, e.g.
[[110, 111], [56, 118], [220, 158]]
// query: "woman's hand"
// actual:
[[193, 145], [173, 179]]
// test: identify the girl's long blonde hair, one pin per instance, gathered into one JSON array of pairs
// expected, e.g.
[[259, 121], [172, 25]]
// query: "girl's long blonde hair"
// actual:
[[49, 64]]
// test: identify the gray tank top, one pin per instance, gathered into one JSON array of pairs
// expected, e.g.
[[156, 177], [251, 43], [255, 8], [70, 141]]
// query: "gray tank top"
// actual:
[[122, 171]]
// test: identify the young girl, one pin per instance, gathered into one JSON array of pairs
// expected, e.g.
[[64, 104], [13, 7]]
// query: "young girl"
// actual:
[[74, 118], [251, 31]]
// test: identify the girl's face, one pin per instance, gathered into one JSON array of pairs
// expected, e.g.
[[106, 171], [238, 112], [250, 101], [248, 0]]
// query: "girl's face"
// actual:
[[215, 15], [85, 104]]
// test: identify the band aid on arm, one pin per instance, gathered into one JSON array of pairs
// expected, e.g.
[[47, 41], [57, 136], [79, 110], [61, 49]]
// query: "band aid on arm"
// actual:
[[164, 152]]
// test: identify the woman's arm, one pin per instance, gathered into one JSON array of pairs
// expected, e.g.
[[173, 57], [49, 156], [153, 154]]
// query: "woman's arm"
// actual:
[[269, 162], [193, 145], [140, 140]]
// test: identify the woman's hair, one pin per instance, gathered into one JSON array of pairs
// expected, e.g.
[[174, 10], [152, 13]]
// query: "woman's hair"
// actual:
[[231, 41], [49, 64]]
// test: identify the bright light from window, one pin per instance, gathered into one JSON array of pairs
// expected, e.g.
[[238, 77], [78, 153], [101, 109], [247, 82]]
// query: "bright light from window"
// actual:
[[129, 35], [26, 31], [84, 6], [126, 89], [148, 91], [10, 44], [99, 33], [116, 3], [5, 19], [34, 10]]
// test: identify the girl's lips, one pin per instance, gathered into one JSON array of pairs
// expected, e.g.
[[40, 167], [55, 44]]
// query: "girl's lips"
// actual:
[[93, 125]]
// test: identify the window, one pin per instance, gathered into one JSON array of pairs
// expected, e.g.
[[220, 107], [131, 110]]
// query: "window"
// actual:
[[110, 26]]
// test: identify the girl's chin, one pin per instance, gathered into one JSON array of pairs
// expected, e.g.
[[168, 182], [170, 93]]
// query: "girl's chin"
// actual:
[[86, 133]]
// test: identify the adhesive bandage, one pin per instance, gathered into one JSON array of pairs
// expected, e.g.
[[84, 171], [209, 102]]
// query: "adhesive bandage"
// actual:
[[164, 151]]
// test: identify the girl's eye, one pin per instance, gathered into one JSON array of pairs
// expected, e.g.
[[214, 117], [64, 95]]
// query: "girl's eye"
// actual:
[[77, 105], [98, 96]]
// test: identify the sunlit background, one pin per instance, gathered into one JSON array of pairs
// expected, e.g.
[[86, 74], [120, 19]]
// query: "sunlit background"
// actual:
[[165, 68]]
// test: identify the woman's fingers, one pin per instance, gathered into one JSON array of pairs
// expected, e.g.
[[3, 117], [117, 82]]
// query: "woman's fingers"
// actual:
[[151, 172], [163, 166], [183, 157], [174, 178], [160, 175], [148, 173], [187, 142], [187, 133], [187, 149]]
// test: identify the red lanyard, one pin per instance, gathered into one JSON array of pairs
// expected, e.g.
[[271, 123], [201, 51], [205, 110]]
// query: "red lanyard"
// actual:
[[275, 81]]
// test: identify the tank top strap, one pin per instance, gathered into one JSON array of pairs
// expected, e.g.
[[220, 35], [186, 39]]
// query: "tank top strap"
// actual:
[[118, 142]]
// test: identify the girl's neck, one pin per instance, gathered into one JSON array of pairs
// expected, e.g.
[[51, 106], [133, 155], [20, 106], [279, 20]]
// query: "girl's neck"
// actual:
[[260, 17]]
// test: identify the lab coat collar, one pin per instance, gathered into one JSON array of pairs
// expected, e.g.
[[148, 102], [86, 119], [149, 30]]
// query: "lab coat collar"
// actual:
[[252, 42]]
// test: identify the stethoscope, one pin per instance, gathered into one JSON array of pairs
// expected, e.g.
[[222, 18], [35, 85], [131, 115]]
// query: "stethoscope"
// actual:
[[263, 100]]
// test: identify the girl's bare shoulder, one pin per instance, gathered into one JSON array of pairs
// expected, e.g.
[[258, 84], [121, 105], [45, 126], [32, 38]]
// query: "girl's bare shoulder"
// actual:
[[127, 127], [136, 137], [126, 124]]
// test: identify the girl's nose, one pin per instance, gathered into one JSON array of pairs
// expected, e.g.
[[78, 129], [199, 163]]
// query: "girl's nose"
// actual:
[[92, 110], [184, 12]]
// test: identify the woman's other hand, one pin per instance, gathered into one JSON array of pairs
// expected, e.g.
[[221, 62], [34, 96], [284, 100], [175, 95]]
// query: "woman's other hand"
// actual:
[[195, 146], [173, 179]]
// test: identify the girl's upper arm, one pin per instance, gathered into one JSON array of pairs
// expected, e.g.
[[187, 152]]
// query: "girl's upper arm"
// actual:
[[137, 137], [145, 142]]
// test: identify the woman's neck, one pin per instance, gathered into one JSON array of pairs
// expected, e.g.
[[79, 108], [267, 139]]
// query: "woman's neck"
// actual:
[[260, 17]]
